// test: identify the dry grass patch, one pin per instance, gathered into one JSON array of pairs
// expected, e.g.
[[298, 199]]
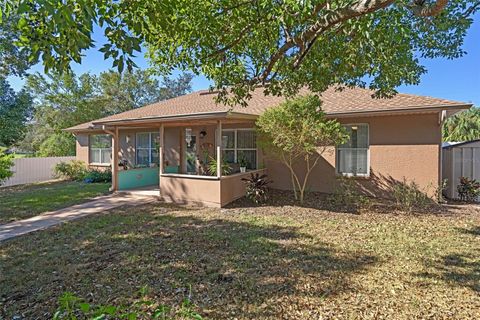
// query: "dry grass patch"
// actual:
[[270, 262]]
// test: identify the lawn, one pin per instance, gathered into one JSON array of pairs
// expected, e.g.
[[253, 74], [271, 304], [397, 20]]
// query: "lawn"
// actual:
[[272, 262], [21, 202]]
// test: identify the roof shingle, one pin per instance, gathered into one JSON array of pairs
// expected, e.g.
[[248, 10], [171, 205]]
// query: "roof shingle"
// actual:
[[347, 101]]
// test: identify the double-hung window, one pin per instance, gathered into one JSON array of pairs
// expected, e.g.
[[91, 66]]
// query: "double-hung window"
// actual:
[[240, 145], [353, 157], [100, 149], [146, 148]]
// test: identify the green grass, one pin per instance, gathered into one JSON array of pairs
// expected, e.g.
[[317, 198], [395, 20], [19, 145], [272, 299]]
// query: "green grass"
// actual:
[[21, 202], [272, 262]]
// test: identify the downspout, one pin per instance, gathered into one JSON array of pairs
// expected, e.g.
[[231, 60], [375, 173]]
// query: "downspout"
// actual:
[[442, 116]]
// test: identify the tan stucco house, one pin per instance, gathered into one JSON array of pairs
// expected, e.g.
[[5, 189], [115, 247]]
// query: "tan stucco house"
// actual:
[[168, 146]]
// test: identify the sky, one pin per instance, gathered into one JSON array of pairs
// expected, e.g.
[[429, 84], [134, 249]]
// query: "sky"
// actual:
[[457, 79]]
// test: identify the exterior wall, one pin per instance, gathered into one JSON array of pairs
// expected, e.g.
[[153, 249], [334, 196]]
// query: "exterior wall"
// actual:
[[190, 190], [206, 191], [82, 149], [233, 188], [401, 147]]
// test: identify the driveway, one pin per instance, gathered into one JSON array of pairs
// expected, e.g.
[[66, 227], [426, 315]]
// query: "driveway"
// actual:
[[53, 218]]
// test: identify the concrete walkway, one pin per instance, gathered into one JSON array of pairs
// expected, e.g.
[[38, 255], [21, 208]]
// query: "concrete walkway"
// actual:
[[49, 219]]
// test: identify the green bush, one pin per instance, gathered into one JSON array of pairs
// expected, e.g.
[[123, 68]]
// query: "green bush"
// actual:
[[347, 197], [73, 170], [468, 189], [6, 162], [409, 197], [256, 187], [95, 176]]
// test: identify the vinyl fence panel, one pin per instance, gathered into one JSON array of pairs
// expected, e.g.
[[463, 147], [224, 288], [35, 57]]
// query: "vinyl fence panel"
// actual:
[[30, 170], [462, 160]]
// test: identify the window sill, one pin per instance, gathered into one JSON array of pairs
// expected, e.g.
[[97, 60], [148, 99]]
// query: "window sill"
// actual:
[[99, 164], [355, 177]]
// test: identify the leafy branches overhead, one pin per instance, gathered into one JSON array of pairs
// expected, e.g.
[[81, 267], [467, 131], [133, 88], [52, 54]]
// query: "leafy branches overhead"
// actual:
[[240, 44]]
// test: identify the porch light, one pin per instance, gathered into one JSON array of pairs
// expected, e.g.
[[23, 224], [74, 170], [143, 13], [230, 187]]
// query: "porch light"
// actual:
[[203, 133], [354, 128], [188, 135]]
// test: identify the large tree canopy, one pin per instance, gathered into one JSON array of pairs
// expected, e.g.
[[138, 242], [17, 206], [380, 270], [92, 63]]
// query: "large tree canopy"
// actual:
[[243, 43], [15, 111], [13, 59], [66, 100]]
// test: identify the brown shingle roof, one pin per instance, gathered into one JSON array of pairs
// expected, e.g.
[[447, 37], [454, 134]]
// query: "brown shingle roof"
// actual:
[[335, 102]]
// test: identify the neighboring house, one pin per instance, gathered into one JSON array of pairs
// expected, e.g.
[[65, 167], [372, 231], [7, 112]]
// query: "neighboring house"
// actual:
[[169, 144], [460, 159]]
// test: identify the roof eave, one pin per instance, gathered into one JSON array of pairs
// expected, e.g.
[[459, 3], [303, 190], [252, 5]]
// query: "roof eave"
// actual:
[[409, 110]]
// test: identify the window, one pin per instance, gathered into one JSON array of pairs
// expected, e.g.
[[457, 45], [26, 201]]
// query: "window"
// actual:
[[146, 149], [240, 144], [353, 155], [100, 148]]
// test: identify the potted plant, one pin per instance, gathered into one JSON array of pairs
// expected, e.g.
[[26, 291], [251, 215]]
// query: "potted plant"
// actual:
[[243, 165]]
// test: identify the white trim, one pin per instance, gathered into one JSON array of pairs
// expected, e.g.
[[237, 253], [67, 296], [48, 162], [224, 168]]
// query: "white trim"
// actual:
[[102, 150], [337, 149], [235, 149], [143, 148]]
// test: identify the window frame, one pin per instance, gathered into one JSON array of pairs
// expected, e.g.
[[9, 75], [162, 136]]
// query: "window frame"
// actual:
[[90, 162], [235, 149], [338, 148], [149, 148]]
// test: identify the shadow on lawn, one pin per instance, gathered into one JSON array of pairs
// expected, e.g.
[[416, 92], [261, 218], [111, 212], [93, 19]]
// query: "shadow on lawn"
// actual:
[[232, 266], [459, 269]]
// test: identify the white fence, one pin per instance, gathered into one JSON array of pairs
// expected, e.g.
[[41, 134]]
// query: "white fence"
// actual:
[[30, 170], [462, 160]]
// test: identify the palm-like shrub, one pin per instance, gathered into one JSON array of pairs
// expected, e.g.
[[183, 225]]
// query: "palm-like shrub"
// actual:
[[257, 187]]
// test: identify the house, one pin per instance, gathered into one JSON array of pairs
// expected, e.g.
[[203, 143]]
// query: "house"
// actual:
[[171, 144]]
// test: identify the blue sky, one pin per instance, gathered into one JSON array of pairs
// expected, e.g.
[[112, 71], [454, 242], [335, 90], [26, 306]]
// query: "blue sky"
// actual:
[[457, 79]]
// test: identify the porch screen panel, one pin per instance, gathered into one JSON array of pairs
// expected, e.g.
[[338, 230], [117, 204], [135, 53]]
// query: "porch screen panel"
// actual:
[[247, 147], [100, 148], [352, 156], [143, 148], [154, 147], [240, 144]]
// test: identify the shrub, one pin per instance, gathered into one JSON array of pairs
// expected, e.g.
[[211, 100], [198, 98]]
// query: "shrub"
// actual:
[[72, 170], [468, 189], [409, 197], [72, 307], [6, 162], [212, 167], [257, 187], [347, 197], [95, 176]]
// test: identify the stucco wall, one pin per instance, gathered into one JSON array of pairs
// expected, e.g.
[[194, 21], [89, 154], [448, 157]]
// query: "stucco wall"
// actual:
[[400, 147], [82, 147], [190, 190]]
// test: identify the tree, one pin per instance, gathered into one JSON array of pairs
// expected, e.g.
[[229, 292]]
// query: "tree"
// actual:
[[286, 44], [129, 90], [298, 132], [15, 111], [6, 163], [463, 126], [13, 59], [65, 100]]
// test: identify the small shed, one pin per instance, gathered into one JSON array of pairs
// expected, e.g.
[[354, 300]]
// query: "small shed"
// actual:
[[460, 159]]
